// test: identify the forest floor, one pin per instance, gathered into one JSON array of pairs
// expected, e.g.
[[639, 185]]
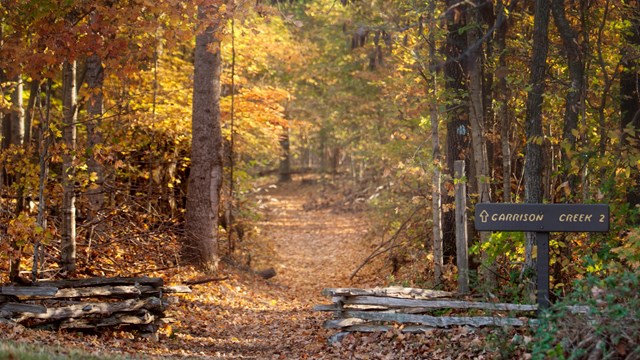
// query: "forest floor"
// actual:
[[247, 317]]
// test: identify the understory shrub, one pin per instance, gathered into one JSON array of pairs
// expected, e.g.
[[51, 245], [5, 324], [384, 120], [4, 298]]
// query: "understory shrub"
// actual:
[[610, 329]]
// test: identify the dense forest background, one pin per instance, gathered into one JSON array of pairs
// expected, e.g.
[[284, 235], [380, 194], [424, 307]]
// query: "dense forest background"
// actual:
[[373, 99]]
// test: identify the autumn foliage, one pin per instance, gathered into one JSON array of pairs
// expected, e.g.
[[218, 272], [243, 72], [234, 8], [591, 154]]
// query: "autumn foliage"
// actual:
[[351, 94]]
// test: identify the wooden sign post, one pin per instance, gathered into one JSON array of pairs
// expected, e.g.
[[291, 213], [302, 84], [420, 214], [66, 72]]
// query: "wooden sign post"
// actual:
[[542, 219]]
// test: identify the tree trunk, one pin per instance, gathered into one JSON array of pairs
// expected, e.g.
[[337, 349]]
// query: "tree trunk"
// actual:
[[205, 178], [458, 138], [69, 110], [95, 109], [436, 192], [34, 93], [284, 173], [533, 127], [574, 106], [574, 98], [17, 114], [44, 142], [477, 120], [501, 96], [16, 138]]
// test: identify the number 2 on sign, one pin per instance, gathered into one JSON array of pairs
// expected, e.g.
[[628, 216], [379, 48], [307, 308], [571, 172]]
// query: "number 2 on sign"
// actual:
[[602, 218]]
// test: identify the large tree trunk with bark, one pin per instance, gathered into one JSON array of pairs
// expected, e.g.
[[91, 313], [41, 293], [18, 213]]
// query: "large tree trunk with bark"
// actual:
[[458, 137], [574, 106], [533, 127], [205, 178], [477, 119], [69, 110]]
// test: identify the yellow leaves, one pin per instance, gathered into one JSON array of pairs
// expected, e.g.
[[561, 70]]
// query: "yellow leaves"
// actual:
[[23, 229], [623, 171]]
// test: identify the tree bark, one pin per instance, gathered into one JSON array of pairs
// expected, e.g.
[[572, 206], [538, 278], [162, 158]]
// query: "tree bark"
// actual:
[[69, 109], [95, 109], [458, 137], [533, 127], [205, 178], [17, 114], [575, 95], [478, 140], [436, 191], [284, 173], [574, 106], [501, 96], [16, 138]]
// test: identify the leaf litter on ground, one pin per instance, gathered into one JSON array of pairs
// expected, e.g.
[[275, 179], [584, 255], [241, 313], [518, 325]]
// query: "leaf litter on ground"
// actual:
[[247, 317]]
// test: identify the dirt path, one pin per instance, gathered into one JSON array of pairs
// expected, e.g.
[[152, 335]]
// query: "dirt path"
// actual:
[[245, 316], [313, 248], [256, 319]]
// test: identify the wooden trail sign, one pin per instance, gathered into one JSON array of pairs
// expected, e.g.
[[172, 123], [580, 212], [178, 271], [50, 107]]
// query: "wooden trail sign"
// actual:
[[542, 219]]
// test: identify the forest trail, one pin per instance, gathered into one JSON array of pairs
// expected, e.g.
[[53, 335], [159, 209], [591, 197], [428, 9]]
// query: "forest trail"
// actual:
[[244, 316], [310, 247]]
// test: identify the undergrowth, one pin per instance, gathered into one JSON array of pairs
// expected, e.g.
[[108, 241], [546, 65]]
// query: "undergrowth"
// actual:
[[609, 330]]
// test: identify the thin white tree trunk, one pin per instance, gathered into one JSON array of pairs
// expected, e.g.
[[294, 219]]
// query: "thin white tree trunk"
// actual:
[[69, 109], [17, 114]]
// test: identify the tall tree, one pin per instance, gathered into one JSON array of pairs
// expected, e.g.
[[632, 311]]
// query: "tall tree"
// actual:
[[15, 137], [501, 96], [436, 193], [477, 122], [94, 77], [575, 94], [630, 95], [95, 109], [533, 123], [69, 110], [458, 137], [205, 178]]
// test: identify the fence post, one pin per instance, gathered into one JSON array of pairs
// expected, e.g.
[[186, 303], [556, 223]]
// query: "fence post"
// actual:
[[460, 183]]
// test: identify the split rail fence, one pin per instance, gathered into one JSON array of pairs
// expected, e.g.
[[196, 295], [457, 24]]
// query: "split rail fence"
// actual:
[[382, 309], [90, 304]]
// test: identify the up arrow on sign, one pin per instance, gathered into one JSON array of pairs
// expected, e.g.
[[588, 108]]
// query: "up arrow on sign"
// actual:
[[484, 215]]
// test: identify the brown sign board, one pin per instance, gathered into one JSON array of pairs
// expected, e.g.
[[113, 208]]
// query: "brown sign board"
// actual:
[[542, 217]]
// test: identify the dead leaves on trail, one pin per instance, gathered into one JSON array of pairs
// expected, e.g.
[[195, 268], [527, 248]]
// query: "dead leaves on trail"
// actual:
[[247, 317]]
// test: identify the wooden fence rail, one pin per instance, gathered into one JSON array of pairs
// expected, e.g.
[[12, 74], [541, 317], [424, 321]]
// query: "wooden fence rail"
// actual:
[[89, 303], [380, 309]]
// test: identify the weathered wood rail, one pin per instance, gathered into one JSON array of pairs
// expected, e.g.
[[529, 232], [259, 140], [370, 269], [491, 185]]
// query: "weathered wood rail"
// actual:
[[379, 309], [91, 303]]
